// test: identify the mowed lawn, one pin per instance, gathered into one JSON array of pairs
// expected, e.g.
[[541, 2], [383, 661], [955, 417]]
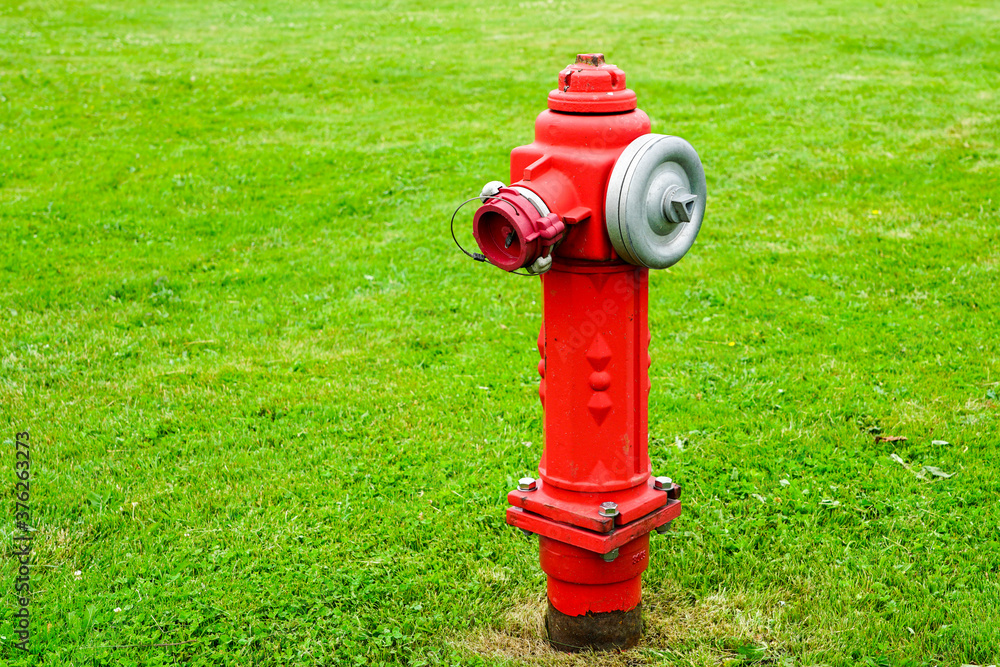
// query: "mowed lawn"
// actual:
[[275, 413]]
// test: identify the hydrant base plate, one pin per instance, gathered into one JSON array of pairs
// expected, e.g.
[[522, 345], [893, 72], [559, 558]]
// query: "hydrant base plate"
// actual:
[[579, 508], [601, 543]]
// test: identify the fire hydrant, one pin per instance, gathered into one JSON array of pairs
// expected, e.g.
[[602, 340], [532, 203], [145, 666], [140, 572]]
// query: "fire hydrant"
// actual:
[[595, 202]]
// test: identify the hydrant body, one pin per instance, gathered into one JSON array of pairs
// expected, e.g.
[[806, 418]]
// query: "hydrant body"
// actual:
[[595, 201]]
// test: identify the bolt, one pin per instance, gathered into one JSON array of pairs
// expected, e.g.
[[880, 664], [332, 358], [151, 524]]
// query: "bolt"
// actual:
[[608, 509], [610, 556], [527, 484], [662, 483], [674, 492], [664, 528]]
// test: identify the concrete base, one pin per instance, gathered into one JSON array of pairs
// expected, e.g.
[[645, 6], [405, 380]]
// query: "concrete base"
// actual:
[[603, 631]]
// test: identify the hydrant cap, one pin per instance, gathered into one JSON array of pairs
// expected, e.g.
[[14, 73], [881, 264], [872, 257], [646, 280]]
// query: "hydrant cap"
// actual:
[[592, 86], [655, 201]]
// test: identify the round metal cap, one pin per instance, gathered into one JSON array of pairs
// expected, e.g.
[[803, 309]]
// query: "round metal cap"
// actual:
[[655, 201]]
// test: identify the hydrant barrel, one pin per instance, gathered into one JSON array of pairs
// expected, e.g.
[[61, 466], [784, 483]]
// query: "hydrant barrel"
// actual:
[[596, 379], [595, 201]]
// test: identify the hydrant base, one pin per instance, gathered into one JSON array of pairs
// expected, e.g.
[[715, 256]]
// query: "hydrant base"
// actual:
[[600, 631]]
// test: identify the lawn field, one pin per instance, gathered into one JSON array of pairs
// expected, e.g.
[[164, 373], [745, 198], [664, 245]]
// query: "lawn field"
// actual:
[[274, 413]]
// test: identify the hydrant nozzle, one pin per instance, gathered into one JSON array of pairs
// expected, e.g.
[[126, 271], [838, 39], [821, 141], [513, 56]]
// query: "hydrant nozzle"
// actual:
[[514, 228]]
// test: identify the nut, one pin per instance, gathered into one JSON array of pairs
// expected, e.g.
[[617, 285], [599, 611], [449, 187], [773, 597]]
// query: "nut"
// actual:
[[662, 483], [610, 556], [527, 484], [608, 509], [527, 533], [595, 59], [664, 528], [680, 206]]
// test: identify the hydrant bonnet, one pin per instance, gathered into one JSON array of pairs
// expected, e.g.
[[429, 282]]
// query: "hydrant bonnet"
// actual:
[[592, 86]]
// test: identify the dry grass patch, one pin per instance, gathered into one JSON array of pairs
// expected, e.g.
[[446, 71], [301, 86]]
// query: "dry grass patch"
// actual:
[[720, 629]]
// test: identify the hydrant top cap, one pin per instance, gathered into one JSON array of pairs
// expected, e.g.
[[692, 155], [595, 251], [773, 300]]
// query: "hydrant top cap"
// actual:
[[592, 86]]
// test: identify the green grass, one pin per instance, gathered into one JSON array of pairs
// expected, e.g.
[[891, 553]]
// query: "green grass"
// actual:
[[276, 413]]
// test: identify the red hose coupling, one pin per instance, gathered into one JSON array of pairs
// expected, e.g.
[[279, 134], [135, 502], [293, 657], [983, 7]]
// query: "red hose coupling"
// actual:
[[514, 231]]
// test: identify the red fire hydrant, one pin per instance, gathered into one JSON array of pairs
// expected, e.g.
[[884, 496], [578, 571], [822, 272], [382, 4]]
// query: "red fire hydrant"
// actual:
[[596, 202]]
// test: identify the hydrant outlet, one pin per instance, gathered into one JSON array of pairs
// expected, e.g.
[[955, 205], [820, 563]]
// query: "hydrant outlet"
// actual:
[[663, 169], [514, 228]]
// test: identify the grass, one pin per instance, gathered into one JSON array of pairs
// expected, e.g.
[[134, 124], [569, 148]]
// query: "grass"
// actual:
[[276, 414]]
